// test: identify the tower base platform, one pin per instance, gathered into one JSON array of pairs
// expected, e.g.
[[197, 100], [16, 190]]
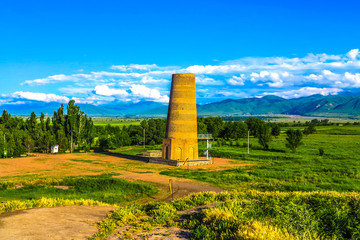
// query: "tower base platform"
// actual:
[[179, 163]]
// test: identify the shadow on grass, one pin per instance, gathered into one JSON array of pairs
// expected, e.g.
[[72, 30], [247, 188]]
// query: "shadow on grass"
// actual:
[[127, 156]]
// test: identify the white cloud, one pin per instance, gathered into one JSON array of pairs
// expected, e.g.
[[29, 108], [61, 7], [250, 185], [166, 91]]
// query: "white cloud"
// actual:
[[235, 80], [214, 69], [201, 80], [104, 90], [151, 80], [50, 79], [353, 53], [345, 80], [272, 79], [130, 67], [145, 92], [60, 78], [306, 91], [72, 90], [135, 93], [39, 97], [353, 79]]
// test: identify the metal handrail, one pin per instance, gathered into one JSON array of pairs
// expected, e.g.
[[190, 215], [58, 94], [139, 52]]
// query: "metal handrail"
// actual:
[[204, 136]]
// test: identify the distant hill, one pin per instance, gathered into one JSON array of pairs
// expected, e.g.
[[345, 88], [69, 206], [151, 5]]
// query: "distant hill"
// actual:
[[344, 105]]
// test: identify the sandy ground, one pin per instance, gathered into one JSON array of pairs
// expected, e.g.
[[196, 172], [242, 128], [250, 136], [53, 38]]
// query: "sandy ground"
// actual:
[[70, 222], [79, 222]]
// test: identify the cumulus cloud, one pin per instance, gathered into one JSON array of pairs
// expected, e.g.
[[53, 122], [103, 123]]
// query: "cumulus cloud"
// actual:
[[135, 93], [306, 91], [353, 79], [273, 79], [201, 80], [104, 90], [144, 92], [39, 97], [235, 80], [352, 54]]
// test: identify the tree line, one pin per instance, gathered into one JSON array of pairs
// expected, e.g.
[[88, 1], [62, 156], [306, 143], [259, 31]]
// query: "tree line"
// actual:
[[71, 130], [74, 130]]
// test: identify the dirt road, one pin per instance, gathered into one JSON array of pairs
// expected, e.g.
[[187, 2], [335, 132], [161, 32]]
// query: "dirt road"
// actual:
[[78, 222]]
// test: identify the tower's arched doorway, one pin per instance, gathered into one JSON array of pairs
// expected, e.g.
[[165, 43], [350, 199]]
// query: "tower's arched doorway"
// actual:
[[179, 153]]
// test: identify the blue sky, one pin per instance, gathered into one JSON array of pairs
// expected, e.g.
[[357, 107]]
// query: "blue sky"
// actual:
[[100, 52]]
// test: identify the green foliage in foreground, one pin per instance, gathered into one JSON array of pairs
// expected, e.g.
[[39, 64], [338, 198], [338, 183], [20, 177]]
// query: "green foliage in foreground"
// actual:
[[101, 188], [246, 215]]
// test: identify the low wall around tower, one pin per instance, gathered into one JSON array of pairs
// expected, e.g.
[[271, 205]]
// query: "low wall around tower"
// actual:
[[180, 163]]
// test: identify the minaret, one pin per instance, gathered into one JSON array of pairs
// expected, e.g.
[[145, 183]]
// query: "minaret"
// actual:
[[180, 142]]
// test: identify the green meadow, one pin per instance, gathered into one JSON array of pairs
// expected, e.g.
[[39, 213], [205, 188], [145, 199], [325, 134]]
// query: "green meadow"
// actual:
[[273, 194], [278, 169], [103, 189]]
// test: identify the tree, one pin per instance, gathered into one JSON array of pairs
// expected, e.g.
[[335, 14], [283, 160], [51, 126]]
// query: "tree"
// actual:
[[275, 130], [4, 117], [294, 139], [42, 122], [72, 122], [234, 130], [214, 125], [309, 129], [264, 136], [201, 127], [254, 125]]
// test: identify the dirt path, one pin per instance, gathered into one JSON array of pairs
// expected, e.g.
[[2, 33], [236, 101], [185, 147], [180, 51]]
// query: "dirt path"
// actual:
[[71, 222], [78, 222]]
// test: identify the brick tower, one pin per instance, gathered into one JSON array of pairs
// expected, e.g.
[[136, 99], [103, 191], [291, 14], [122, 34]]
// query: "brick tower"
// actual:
[[180, 142]]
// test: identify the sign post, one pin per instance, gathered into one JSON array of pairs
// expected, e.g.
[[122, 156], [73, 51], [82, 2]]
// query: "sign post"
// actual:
[[171, 190], [186, 161]]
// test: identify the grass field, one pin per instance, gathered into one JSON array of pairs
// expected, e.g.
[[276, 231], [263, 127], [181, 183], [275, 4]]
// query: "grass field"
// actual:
[[102, 188], [279, 169]]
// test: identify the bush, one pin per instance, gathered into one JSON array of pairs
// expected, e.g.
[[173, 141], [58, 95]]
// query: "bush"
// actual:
[[160, 212]]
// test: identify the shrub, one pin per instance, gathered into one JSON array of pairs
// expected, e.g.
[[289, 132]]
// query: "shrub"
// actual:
[[160, 212]]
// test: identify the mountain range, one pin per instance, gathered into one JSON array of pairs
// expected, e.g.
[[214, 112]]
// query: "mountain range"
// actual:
[[315, 105]]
